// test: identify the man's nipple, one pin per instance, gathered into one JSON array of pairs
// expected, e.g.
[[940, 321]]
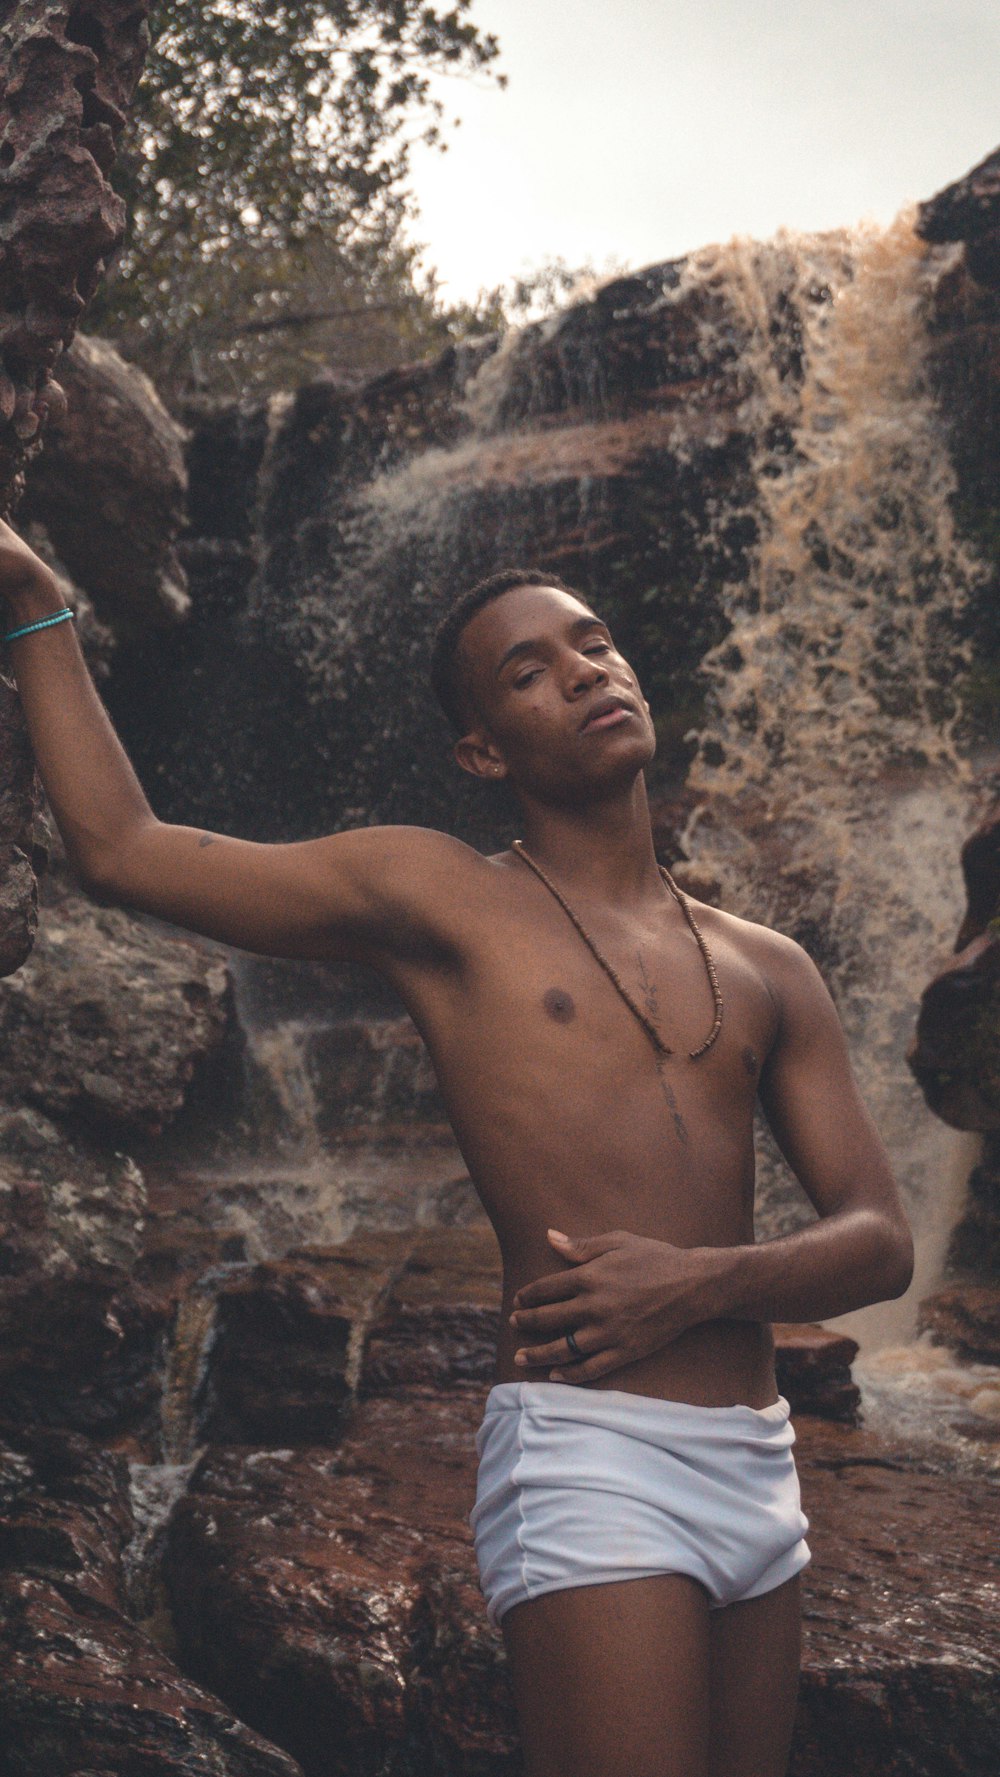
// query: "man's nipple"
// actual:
[[559, 1005]]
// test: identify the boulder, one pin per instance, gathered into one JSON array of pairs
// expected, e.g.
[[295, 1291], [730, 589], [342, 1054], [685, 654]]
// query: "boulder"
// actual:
[[440, 1320], [81, 1340], [974, 1247], [981, 871], [333, 1635], [286, 1347], [82, 1689], [110, 488], [68, 69], [110, 1016], [901, 1655], [813, 1369], [965, 1316], [955, 1054]]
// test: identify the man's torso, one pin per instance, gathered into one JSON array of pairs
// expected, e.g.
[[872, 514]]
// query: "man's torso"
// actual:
[[566, 1120]]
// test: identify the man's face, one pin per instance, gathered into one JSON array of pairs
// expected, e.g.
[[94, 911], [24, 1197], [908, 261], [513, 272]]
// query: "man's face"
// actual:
[[557, 708]]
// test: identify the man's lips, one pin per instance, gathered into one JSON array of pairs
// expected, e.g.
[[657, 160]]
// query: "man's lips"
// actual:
[[607, 713]]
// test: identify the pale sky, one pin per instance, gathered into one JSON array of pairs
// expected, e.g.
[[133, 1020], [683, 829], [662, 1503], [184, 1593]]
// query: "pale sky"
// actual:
[[634, 130]]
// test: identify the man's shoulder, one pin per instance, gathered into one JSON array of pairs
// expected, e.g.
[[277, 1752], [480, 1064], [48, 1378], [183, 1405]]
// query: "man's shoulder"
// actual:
[[782, 962], [415, 869], [417, 847]]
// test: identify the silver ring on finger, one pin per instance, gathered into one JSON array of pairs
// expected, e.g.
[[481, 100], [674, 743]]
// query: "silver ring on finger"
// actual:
[[574, 1347]]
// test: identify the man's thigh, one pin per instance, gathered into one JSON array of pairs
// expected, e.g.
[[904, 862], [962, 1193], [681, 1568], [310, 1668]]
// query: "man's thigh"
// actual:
[[755, 1654], [612, 1680]]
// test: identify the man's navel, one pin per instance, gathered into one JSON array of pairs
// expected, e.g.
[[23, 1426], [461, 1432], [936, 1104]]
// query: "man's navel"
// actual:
[[559, 1005]]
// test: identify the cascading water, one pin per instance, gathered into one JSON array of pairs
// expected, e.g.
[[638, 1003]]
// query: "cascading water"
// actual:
[[836, 790]]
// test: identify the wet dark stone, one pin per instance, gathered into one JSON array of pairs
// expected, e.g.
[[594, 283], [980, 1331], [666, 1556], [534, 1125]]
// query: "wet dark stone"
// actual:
[[83, 1688]]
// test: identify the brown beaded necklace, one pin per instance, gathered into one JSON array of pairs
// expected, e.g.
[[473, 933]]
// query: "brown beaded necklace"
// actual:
[[648, 1026]]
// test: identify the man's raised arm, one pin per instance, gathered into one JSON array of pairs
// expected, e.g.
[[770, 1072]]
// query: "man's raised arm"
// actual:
[[356, 895]]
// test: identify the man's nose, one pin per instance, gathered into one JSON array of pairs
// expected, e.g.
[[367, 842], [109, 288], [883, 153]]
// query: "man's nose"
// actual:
[[586, 671]]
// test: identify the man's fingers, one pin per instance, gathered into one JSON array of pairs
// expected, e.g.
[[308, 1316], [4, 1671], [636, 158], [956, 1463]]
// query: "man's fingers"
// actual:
[[550, 1320], [554, 1352], [554, 1288]]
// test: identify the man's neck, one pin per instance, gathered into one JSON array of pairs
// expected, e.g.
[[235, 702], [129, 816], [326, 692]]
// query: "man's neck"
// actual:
[[605, 851]]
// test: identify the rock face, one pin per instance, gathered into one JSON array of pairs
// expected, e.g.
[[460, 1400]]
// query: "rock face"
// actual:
[[109, 1016], [381, 1659], [584, 484], [68, 74], [100, 1033], [291, 1345], [19, 804], [82, 1341], [969, 211], [955, 1053], [68, 69], [111, 487]]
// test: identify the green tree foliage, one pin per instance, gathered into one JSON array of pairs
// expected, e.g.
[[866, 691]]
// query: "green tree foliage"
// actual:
[[264, 170]]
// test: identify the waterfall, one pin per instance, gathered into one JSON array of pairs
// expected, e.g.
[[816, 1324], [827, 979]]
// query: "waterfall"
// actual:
[[836, 793]]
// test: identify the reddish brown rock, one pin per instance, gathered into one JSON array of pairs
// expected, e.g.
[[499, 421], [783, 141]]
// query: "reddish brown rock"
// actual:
[[110, 488], [294, 1340], [955, 1054], [370, 1072], [20, 801], [322, 1594], [974, 1247], [441, 1320], [965, 1316], [68, 69], [81, 1342], [284, 1356], [813, 1369], [981, 870], [82, 1689], [110, 1014], [331, 1597], [901, 1668]]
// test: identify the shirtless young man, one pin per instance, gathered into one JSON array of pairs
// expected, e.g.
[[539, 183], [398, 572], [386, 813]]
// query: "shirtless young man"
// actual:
[[638, 1524]]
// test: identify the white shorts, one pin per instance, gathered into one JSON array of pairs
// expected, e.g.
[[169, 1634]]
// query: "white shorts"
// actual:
[[582, 1485]]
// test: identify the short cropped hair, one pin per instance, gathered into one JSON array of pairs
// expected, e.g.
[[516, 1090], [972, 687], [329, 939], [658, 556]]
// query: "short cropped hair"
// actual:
[[447, 678]]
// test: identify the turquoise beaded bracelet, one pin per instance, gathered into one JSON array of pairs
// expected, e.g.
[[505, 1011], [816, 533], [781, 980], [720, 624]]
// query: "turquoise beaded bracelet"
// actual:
[[43, 623]]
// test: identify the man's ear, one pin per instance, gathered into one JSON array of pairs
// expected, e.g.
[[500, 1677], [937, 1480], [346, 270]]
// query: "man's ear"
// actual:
[[478, 754]]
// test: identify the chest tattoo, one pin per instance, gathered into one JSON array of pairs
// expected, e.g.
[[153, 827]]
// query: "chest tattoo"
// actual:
[[650, 998], [559, 1005]]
